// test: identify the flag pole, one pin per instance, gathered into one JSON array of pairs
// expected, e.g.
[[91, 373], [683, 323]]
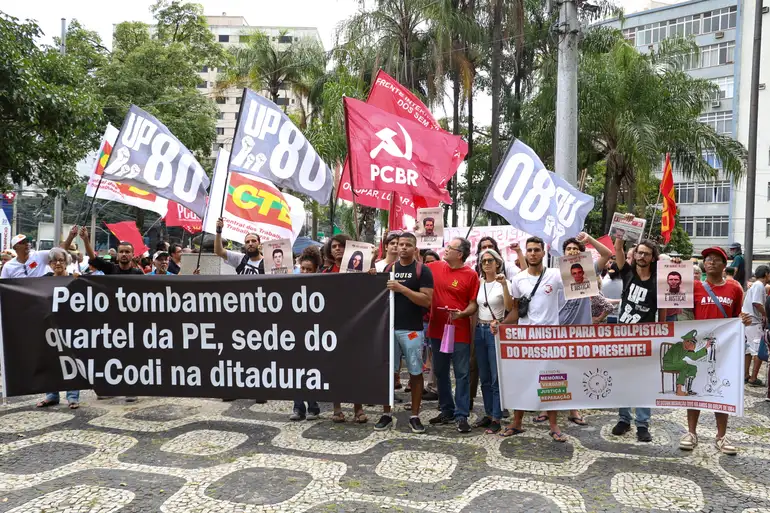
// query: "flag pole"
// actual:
[[649, 232], [486, 194], [350, 161], [230, 157]]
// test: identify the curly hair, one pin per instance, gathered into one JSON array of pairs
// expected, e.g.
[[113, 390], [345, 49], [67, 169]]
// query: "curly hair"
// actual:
[[313, 255]]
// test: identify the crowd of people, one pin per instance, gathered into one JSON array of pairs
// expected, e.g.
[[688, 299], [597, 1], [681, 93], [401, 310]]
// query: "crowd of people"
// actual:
[[431, 292]]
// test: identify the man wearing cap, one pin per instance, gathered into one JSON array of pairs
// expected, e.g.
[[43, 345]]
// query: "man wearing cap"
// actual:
[[715, 298], [160, 262], [29, 263], [738, 263], [674, 360], [754, 308], [125, 257]]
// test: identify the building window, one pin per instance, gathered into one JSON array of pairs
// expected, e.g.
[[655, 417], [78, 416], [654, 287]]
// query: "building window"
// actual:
[[768, 191], [281, 101], [630, 35], [721, 19], [711, 226], [713, 192], [767, 228], [688, 225], [238, 100], [285, 39], [220, 115], [202, 85], [220, 130], [726, 87], [204, 69], [685, 193], [221, 100], [224, 38], [721, 122], [717, 55]]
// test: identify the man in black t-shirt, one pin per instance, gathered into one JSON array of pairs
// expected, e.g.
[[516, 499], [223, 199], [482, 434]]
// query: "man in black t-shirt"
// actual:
[[413, 292], [125, 257]]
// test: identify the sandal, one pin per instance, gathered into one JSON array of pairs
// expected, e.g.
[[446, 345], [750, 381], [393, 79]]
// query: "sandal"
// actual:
[[45, 403], [557, 437], [494, 428], [338, 417], [74, 406], [510, 431], [361, 418], [540, 418], [484, 422], [580, 421]]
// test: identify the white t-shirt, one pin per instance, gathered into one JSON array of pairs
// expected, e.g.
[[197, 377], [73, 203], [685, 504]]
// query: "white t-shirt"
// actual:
[[35, 266], [544, 305], [494, 294], [755, 294], [511, 269], [234, 260], [381, 265]]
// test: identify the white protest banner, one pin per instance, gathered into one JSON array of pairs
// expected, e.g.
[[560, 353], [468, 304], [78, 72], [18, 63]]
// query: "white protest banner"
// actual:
[[629, 231], [675, 284], [252, 205], [430, 228], [357, 257], [536, 200], [147, 155], [579, 276], [278, 256], [504, 235], [690, 364]]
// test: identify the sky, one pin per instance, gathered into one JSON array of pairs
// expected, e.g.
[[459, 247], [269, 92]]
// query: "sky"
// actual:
[[102, 15]]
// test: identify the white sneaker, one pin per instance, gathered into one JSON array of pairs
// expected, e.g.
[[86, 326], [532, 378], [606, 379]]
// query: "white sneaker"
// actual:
[[688, 442], [725, 447]]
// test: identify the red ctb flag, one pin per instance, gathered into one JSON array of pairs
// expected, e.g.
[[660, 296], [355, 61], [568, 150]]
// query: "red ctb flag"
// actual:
[[667, 218], [390, 153], [179, 215], [127, 231]]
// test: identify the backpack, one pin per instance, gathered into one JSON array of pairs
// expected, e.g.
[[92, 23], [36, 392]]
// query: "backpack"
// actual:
[[242, 265]]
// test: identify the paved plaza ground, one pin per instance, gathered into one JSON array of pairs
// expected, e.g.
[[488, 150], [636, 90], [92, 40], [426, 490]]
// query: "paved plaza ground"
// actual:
[[202, 455]]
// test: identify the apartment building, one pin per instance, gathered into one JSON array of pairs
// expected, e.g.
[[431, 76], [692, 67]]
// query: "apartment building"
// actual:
[[232, 31], [705, 207]]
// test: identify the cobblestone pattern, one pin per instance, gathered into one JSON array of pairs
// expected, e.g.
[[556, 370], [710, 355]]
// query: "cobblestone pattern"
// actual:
[[205, 456]]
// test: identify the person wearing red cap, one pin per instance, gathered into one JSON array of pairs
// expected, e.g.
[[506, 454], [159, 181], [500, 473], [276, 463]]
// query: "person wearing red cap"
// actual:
[[715, 298]]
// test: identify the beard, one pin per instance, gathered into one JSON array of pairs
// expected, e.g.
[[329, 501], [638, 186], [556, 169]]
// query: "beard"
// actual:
[[252, 252]]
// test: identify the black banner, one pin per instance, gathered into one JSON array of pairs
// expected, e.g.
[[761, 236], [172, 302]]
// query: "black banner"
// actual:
[[320, 337]]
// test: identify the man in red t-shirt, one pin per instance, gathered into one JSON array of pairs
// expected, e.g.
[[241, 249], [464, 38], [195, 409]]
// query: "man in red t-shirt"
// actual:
[[455, 287], [730, 295]]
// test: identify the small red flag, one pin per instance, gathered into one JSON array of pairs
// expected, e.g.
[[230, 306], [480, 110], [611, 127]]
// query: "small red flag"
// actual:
[[179, 215], [668, 217], [127, 231], [389, 153]]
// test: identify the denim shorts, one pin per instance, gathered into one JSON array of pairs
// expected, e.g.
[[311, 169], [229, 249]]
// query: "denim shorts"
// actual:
[[408, 344]]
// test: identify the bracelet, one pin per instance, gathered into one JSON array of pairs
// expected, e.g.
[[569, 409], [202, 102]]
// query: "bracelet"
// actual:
[[219, 230]]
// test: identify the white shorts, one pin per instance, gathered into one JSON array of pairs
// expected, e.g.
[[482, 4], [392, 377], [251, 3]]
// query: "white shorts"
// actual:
[[754, 334]]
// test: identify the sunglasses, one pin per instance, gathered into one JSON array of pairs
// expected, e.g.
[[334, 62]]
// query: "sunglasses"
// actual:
[[487, 261]]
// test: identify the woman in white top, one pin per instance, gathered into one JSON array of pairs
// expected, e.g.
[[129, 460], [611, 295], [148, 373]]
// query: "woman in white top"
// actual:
[[494, 299]]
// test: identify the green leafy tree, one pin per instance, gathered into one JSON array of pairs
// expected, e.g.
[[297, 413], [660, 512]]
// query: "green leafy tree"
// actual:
[[185, 23], [49, 113]]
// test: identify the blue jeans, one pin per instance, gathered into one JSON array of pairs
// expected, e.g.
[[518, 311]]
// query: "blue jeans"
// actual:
[[312, 407], [73, 396], [642, 416], [486, 359], [461, 361]]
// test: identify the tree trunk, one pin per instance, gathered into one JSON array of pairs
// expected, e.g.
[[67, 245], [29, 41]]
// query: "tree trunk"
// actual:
[[497, 54], [468, 173], [611, 192], [456, 131], [315, 210]]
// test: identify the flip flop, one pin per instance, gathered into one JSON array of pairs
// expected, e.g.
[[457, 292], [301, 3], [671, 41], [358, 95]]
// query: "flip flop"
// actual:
[[361, 418], [74, 406], [557, 437], [540, 418], [510, 431], [580, 421], [338, 418], [45, 403]]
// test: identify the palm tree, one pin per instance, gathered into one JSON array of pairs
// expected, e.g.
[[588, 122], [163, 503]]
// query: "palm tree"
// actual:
[[633, 109]]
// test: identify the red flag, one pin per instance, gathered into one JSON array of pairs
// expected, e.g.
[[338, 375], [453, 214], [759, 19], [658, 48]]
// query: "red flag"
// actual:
[[127, 231], [179, 215], [668, 217], [394, 98], [389, 153]]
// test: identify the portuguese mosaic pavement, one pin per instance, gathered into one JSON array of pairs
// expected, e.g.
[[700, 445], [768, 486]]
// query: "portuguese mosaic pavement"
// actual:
[[207, 456]]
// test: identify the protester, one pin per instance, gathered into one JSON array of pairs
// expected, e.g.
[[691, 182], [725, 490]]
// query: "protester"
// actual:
[[113, 254], [310, 262], [639, 303], [29, 263], [6, 256], [125, 259], [248, 262], [333, 251], [455, 287], [754, 308], [612, 289], [601, 307], [715, 298], [494, 299], [430, 391], [540, 288], [738, 263], [413, 290], [175, 261], [391, 251], [161, 263], [59, 260]]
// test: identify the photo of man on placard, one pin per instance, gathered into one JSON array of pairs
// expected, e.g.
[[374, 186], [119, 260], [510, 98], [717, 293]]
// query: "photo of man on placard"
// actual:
[[577, 272], [429, 224], [674, 280], [278, 267]]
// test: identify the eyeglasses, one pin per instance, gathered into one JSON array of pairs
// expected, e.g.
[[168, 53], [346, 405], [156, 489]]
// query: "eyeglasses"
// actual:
[[487, 261], [454, 248], [58, 261], [713, 260], [644, 254]]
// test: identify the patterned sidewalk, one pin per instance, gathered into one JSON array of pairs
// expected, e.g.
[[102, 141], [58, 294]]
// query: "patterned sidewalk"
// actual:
[[199, 455]]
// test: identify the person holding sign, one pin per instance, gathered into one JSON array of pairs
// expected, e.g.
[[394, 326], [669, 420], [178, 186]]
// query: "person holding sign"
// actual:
[[249, 263], [754, 308], [413, 291], [494, 299]]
